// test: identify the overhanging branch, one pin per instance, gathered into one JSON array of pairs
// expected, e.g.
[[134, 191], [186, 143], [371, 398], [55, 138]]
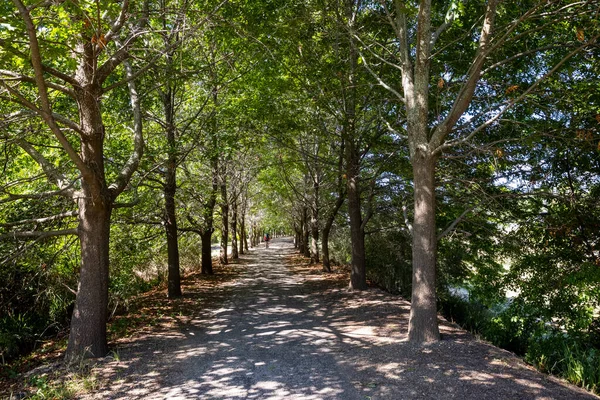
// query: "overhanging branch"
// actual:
[[38, 235]]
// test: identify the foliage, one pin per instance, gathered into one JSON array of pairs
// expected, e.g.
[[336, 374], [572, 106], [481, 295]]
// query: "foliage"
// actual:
[[571, 357], [260, 95], [389, 261], [574, 356]]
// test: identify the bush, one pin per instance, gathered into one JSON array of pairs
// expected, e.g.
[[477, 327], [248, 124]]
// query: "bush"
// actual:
[[571, 357], [18, 334], [470, 315], [340, 248], [519, 328], [389, 264]]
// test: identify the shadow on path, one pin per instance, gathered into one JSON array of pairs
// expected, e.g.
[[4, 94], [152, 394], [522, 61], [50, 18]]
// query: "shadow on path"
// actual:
[[277, 335]]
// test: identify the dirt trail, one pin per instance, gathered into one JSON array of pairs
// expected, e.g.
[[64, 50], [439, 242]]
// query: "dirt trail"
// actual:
[[272, 334]]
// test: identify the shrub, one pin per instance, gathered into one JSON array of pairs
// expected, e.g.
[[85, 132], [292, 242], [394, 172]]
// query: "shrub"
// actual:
[[389, 264], [572, 357]]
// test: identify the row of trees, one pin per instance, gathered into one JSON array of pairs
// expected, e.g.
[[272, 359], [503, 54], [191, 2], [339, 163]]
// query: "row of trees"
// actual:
[[308, 116], [391, 90], [131, 113]]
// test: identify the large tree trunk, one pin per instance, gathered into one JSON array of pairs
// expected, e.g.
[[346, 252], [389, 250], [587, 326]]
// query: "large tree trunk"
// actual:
[[358, 280], [423, 326], [87, 337], [206, 267], [174, 277], [358, 276]]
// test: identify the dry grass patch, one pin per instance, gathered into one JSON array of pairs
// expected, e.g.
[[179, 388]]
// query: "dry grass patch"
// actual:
[[300, 265]]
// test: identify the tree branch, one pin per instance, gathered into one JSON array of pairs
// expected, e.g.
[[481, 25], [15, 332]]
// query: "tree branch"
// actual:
[[62, 192], [29, 79], [513, 102], [138, 146], [51, 172], [465, 95], [66, 78], [38, 235], [41, 220], [451, 227], [119, 22], [46, 110]]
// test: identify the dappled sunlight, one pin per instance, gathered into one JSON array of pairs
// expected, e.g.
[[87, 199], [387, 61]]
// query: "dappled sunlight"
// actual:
[[277, 335]]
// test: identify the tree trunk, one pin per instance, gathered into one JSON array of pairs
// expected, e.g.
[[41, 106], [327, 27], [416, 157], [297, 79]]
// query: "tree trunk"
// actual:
[[358, 276], [209, 211], [423, 326], [351, 138], [242, 235], [305, 233], [234, 236], [225, 220], [327, 230], [314, 225], [314, 241], [174, 278], [297, 238], [87, 337], [207, 267], [325, 249]]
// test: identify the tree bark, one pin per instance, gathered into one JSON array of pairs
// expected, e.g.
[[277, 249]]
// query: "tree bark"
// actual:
[[206, 267], [305, 233], [325, 248], [225, 221], [87, 337], [174, 277], [358, 280], [242, 226], [234, 236], [314, 224], [423, 326], [209, 210], [95, 199], [358, 276], [327, 230], [297, 238], [243, 232], [170, 188]]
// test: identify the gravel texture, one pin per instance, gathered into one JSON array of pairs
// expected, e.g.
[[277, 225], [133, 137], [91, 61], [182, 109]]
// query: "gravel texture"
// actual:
[[274, 333]]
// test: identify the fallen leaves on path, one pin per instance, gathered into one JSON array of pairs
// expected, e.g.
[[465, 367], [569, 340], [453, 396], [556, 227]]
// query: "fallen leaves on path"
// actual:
[[152, 311]]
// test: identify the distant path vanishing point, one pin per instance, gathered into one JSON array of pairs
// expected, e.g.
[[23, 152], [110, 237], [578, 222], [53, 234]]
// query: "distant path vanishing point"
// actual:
[[275, 334]]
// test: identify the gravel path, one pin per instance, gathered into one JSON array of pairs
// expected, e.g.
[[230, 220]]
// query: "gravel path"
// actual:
[[274, 334]]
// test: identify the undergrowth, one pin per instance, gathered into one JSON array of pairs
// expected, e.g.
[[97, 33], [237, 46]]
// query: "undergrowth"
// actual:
[[574, 356]]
